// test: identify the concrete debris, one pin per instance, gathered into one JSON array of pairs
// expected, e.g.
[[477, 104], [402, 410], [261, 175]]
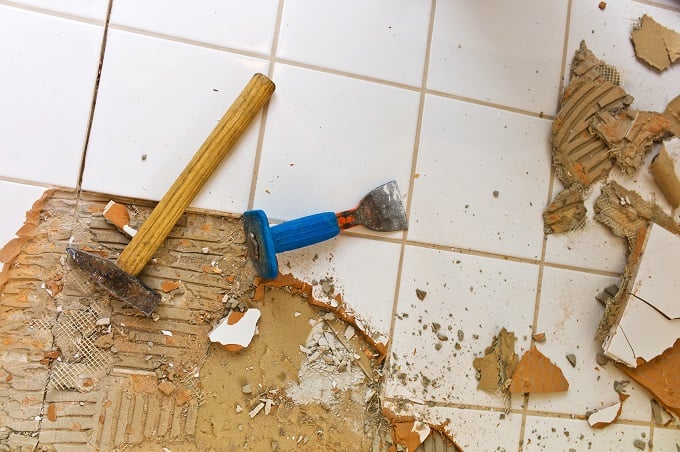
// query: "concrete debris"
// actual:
[[655, 44], [603, 417], [594, 129], [536, 373], [572, 359], [236, 330], [567, 212], [539, 337], [665, 169], [329, 370], [498, 363]]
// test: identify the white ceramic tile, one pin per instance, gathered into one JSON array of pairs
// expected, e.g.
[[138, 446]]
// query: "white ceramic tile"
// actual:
[[364, 272], [467, 153], [385, 39], [666, 439], [473, 430], [330, 140], [507, 53], [239, 25], [607, 34], [593, 247], [569, 315], [47, 82], [162, 99], [15, 200], [541, 434], [90, 9], [474, 294]]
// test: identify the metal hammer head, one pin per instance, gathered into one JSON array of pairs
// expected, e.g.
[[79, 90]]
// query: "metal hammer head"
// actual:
[[118, 283]]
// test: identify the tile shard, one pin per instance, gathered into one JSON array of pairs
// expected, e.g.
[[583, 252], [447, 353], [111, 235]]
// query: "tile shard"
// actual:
[[665, 169], [661, 377], [236, 331], [608, 415], [567, 212], [649, 302], [536, 373], [655, 44], [498, 363]]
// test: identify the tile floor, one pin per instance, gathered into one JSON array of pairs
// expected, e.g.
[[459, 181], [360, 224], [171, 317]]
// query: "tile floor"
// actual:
[[452, 98]]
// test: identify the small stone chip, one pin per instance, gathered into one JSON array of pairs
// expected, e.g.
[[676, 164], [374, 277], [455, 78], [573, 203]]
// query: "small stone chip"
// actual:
[[246, 389], [420, 294], [461, 335], [495, 193], [572, 359], [601, 359], [539, 337], [639, 444]]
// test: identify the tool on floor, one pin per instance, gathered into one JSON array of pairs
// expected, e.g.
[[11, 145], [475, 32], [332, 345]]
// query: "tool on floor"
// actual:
[[380, 210], [120, 279]]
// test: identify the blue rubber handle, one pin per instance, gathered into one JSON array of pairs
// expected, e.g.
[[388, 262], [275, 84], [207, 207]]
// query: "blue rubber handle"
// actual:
[[294, 234]]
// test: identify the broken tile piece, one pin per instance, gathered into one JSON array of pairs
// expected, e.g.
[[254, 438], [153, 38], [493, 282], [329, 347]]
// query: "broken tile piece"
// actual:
[[608, 415], [655, 44], [567, 212], [117, 214], [498, 363], [651, 304], [536, 373], [236, 331], [665, 169], [169, 286], [661, 377]]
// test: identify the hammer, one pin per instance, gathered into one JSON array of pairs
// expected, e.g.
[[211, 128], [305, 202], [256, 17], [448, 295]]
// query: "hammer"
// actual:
[[120, 279]]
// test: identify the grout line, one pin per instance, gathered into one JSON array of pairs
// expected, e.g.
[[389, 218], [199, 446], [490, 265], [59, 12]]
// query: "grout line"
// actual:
[[544, 245], [95, 94], [49, 12], [192, 42], [409, 198], [265, 110]]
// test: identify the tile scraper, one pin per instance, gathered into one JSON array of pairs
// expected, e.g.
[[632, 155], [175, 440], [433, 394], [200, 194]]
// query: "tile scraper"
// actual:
[[120, 279], [380, 210]]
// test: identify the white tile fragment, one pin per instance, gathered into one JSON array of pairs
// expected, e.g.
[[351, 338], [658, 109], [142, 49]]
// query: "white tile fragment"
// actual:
[[239, 333]]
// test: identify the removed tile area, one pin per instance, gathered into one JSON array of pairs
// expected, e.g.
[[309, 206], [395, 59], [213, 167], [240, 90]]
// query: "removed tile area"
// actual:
[[655, 44]]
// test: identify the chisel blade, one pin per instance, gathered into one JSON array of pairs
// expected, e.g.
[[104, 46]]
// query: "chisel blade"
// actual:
[[118, 283]]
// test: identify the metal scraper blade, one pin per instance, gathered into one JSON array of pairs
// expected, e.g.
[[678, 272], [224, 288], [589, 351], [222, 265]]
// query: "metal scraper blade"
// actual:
[[118, 283]]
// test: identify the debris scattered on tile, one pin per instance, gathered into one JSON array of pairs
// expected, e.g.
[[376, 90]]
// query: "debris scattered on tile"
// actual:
[[539, 337], [649, 302], [593, 130], [566, 212], [605, 416], [421, 294], [497, 365], [236, 330], [169, 285], [661, 377], [601, 359], [655, 44], [118, 215], [408, 433], [602, 5], [665, 169], [536, 373], [673, 114], [572, 359]]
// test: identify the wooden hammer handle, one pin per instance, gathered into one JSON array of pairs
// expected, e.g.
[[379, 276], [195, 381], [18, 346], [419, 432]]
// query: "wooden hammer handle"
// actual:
[[164, 216]]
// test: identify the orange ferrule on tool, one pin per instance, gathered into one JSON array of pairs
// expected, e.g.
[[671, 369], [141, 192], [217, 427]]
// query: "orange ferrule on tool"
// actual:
[[346, 219]]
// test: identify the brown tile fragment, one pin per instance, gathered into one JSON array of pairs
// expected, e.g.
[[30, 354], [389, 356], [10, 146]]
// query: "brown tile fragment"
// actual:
[[655, 44], [661, 377], [166, 387], [663, 169], [52, 412], [536, 373], [182, 396], [169, 286]]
